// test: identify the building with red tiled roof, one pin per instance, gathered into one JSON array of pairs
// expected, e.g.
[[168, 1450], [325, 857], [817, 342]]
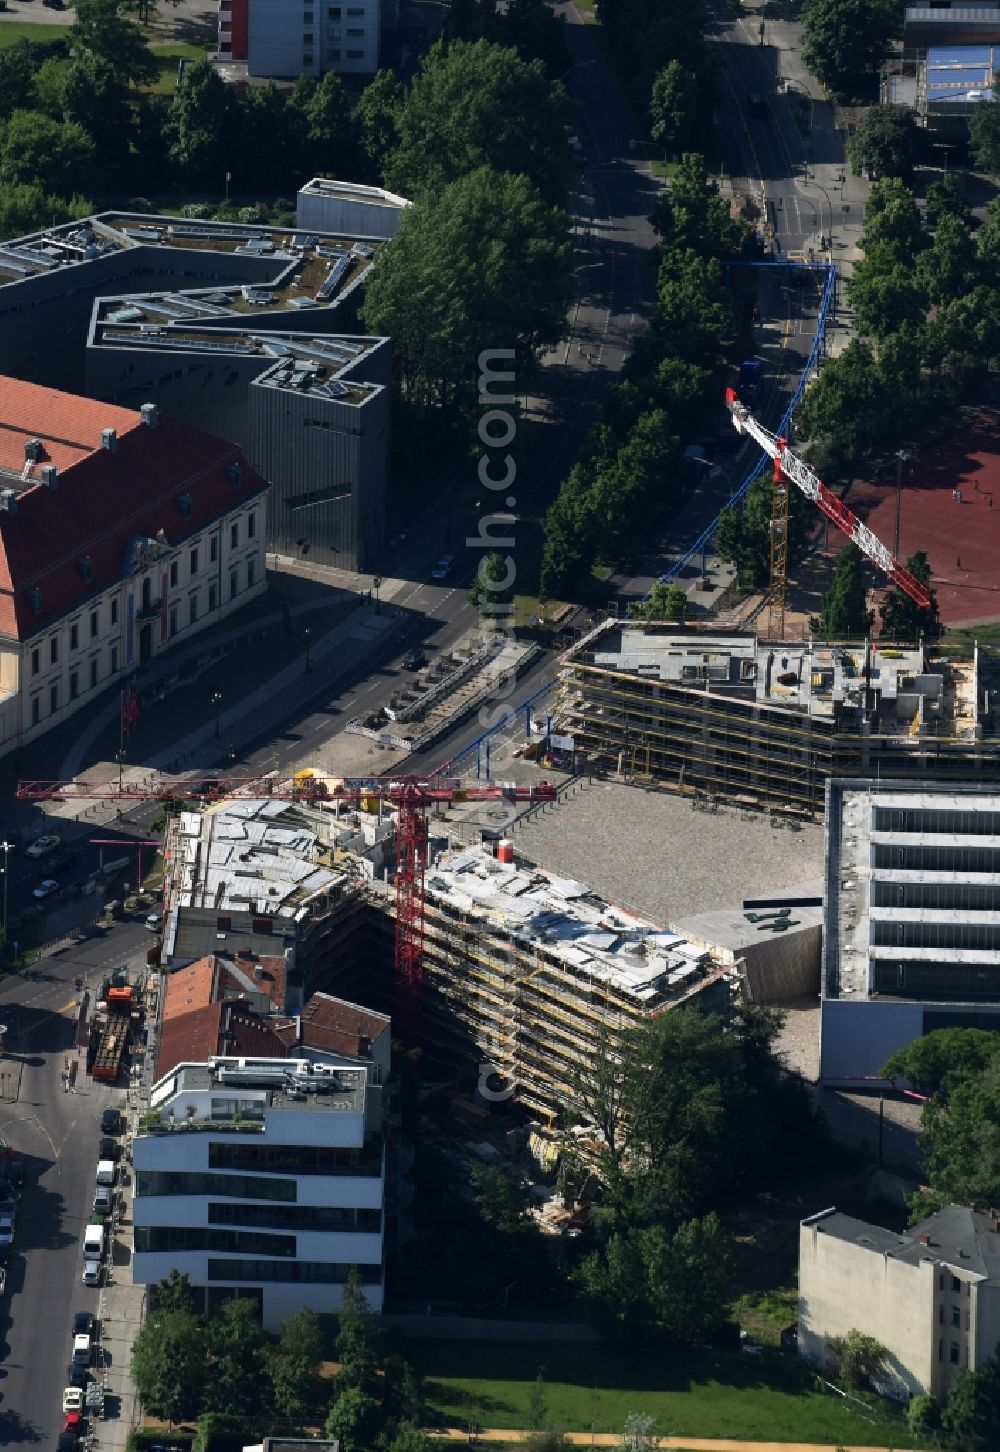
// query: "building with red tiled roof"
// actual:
[[228, 1027], [122, 533], [337, 1031]]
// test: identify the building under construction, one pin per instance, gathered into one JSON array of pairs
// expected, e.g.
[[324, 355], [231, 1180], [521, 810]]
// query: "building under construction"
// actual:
[[765, 723]]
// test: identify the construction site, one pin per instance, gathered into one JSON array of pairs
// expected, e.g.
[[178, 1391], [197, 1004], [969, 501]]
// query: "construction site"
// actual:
[[766, 723]]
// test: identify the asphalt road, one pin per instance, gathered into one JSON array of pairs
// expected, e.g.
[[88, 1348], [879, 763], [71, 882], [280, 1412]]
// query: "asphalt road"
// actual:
[[56, 1134]]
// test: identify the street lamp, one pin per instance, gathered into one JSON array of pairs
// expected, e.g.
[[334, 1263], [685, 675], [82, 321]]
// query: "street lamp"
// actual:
[[5, 847], [375, 586], [308, 639], [120, 758], [217, 704]]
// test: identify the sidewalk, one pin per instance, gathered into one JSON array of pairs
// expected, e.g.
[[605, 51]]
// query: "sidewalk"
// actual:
[[683, 1444]]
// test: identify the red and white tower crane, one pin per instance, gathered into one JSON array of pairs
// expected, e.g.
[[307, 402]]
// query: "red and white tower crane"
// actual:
[[410, 795], [789, 467]]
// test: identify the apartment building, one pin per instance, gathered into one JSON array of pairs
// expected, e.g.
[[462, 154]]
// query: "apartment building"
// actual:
[[304, 38], [930, 1296], [911, 938], [767, 723], [122, 534], [260, 1164]]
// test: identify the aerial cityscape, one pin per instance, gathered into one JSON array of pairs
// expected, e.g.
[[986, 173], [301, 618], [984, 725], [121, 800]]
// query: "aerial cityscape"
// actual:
[[500, 784]]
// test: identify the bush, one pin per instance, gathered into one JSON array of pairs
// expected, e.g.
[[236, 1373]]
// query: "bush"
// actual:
[[257, 213], [197, 211], [923, 1416], [219, 1433], [139, 204]]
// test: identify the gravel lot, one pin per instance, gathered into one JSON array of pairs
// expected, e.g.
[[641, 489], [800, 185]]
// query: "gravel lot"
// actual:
[[654, 853]]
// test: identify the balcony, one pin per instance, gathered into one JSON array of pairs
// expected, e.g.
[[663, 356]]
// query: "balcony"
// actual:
[[149, 609]]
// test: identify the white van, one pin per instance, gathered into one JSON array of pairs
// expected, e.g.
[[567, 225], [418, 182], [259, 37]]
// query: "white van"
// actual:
[[105, 1172], [93, 1241], [82, 1351]]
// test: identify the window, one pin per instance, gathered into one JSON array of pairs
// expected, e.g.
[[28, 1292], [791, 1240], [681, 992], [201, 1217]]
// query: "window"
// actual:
[[234, 583], [251, 524], [54, 650], [173, 572], [93, 672], [36, 710], [223, 925], [956, 1317], [940, 1315], [355, 55], [307, 60], [333, 12], [954, 1353], [213, 549], [355, 10], [240, 1187], [234, 536], [296, 1159], [173, 620], [333, 55], [941, 1349], [194, 562], [95, 621], [250, 574], [74, 685], [114, 611], [956, 1285], [307, 40], [113, 664], [152, 1238], [297, 1272], [307, 17], [192, 609], [36, 661], [74, 635], [262, 926], [355, 30], [53, 698], [296, 1217], [213, 596]]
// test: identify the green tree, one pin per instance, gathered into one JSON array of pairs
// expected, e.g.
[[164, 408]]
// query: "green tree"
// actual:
[[845, 410], [403, 1397], [639, 1433], [923, 1417], [355, 1420], [884, 301], [673, 107], [570, 535], [236, 1344], [970, 1419], [893, 234], [694, 217], [359, 1341], [36, 150], [693, 312], [939, 1062], [18, 70], [94, 96], [945, 198], [294, 1365], [984, 136], [473, 105], [499, 1199], [664, 602], [377, 119], [949, 268], [201, 124], [844, 42], [331, 132], [168, 1364], [538, 1402], [862, 1359], [743, 537], [687, 1278], [845, 609], [903, 618], [174, 1293], [102, 31], [884, 143], [492, 587], [410, 1439], [26, 208], [480, 266]]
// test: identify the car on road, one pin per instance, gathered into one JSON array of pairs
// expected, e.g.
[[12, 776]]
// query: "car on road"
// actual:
[[111, 1121], [73, 1399], [154, 922], [47, 887], [442, 567], [42, 845], [107, 1150], [758, 106], [83, 1324], [414, 660], [103, 1200], [77, 1375]]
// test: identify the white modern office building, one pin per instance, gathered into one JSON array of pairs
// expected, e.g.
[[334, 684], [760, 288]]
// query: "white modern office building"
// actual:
[[262, 1178]]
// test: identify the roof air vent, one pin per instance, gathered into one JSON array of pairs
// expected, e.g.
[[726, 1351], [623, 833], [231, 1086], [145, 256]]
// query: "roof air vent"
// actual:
[[150, 415], [50, 476], [109, 440]]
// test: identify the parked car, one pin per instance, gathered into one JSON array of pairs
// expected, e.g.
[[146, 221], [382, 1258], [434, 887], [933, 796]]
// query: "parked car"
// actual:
[[91, 1272], [83, 1350], [111, 1121], [68, 1442], [107, 1150], [73, 1399], [103, 1200], [6, 1228], [42, 845], [73, 1425], [414, 660], [442, 568], [154, 922], [77, 1375], [47, 887], [83, 1324]]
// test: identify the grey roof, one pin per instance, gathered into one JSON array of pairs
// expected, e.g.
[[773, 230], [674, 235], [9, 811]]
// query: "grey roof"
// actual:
[[958, 1237]]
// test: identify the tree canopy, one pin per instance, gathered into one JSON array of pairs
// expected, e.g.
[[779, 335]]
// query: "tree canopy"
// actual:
[[884, 143], [845, 609], [844, 42], [903, 618]]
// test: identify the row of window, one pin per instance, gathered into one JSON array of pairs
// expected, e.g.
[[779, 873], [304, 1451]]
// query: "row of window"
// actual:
[[297, 1217], [301, 1272], [169, 1238], [297, 1159], [74, 637], [331, 55], [197, 1182], [55, 696], [954, 1355]]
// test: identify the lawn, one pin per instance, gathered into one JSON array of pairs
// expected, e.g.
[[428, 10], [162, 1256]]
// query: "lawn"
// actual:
[[694, 1393], [11, 31], [167, 54]]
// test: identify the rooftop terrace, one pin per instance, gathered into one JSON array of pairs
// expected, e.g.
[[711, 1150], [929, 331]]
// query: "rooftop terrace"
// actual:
[[255, 1086]]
